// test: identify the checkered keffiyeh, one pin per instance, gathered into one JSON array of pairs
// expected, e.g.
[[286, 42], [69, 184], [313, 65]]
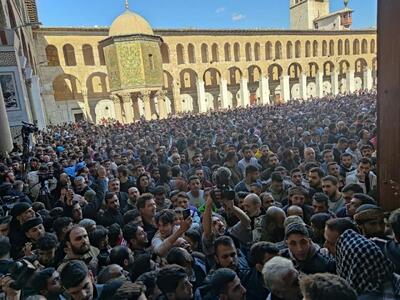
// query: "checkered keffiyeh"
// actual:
[[361, 263]]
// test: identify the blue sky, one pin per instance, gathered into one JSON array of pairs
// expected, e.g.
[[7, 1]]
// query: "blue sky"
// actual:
[[190, 13]]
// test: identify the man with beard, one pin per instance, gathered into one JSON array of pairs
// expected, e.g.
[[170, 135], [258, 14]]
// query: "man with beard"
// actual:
[[314, 177], [174, 283], [78, 281], [225, 285], [133, 195], [331, 189], [33, 230], [112, 214], [77, 247], [47, 283], [252, 207], [371, 221], [122, 256], [136, 238], [346, 164]]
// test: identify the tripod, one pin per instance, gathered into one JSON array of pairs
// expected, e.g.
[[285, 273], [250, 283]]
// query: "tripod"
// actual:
[[44, 194]]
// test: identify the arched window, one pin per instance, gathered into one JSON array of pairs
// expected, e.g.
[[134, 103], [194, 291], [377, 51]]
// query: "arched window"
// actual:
[[256, 51], [331, 48], [324, 48], [289, 50], [179, 54], [102, 59], [308, 49], [356, 47], [164, 53], [191, 54], [278, 50], [204, 53], [88, 57], [69, 55], [372, 47], [52, 56], [340, 47], [364, 47], [227, 50], [268, 51], [315, 49], [297, 49], [248, 52], [347, 47], [214, 53], [236, 50]]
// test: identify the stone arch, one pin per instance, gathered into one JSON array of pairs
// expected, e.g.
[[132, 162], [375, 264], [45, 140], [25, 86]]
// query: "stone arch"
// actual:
[[235, 74], [356, 47], [297, 49], [96, 85], [289, 50], [236, 51], [313, 69], [52, 56], [214, 53], [347, 47], [360, 65], [372, 46], [180, 54], [278, 50], [331, 48], [364, 46], [191, 54], [164, 53], [257, 51], [88, 57], [294, 71], [340, 47], [324, 48], [315, 49], [67, 87], [204, 53], [329, 67], [227, 52], [255, 73], [249, 56], [344, 66], [102, 58], [212, 77], [168, 80], [308, 49], [69, 55], [275, 72], [268, 51], [188, 79]]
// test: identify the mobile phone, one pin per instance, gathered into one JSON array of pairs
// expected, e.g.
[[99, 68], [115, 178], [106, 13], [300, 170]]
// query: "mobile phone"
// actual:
[[186, 213]]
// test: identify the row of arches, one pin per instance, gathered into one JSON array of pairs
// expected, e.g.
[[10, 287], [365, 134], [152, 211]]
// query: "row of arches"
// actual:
[[253, 51], [212, 76], [68, 50]]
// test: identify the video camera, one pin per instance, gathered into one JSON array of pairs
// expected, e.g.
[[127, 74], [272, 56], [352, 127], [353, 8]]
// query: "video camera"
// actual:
[[28, 128], [222, 191], [21, 271]]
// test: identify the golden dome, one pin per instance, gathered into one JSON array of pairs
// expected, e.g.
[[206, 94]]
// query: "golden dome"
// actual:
[[130, 23]]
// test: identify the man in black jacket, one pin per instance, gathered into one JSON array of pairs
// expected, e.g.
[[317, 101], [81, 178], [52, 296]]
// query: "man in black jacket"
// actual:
[[112, 214]]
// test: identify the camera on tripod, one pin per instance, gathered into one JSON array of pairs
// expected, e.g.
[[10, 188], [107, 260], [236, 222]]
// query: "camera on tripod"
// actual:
[[28, 128]]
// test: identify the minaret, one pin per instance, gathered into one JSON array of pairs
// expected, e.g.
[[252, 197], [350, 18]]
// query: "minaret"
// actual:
[[304, 12]]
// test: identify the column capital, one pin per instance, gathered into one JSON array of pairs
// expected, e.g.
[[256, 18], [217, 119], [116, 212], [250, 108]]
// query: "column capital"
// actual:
[[146, 95], [126, 97], [115, 98], [160, 94]]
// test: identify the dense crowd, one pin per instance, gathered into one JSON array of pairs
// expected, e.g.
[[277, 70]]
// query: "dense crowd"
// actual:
[[264, 202]]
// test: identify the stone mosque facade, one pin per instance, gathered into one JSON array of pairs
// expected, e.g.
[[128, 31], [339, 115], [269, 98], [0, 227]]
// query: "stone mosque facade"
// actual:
[[131, 71]]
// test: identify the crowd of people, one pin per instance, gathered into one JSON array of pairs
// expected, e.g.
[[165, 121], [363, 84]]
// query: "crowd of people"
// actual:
[[263, 202]]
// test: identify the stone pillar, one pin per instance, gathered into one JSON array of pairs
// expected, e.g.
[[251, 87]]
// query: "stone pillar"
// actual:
[[128, 109], [319, 77], [37, 104], [223, 87], [285, 88], [201, 96], [303, 86], [177, 96], [264, 90], [117, 108], [368, 81], [162, 110], [86, 105], [335, 82], [6, 144], [350, 81], [244, 92], [146, 96]]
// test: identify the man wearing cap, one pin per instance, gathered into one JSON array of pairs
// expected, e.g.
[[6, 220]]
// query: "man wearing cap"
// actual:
[[370, 220], [21, 213], [33, 230], [306, 256]]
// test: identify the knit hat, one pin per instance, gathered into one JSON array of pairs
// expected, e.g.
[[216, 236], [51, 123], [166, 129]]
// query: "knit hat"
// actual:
[[296, 228], [368, 212], [31, 223], [19, 208]]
